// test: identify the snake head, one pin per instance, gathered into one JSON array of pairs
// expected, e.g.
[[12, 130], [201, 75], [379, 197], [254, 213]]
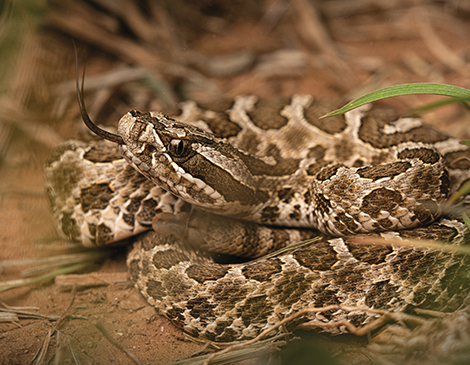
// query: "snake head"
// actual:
[[189, 162]]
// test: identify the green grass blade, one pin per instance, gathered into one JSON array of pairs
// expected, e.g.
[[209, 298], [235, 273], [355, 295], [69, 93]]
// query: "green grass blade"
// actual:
[[466, 220], [463, 190], [400, 90]]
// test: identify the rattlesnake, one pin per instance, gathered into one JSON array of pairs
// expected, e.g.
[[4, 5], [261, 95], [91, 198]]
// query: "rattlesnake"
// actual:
[[253, 175]]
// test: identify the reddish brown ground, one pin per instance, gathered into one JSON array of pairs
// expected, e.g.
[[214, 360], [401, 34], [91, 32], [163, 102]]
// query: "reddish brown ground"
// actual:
[[377, 48]]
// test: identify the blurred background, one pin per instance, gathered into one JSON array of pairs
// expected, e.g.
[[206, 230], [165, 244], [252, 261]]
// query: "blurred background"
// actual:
[[150, 55]]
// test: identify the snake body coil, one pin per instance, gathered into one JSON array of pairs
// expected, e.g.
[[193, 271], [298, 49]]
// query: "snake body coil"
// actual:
[[254, 175]]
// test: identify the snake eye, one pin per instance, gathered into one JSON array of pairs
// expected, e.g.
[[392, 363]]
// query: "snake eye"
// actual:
[[177, 147]]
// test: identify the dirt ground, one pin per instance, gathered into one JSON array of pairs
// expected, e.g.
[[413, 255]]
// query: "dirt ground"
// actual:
[[330, 49]]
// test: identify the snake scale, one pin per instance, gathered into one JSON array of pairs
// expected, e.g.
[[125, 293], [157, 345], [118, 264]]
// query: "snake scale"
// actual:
[[249, 176]]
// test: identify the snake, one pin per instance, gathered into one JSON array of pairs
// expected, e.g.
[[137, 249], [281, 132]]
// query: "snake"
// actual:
[[250, 176]]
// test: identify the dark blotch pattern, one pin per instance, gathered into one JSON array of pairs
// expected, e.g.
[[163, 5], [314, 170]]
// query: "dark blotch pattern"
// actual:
[[227, 334], [103, 234], [381, 171], [372, 254], [317, 152], [327, 172], [262, 271], [322, 203], [348, 222], [317, 256], [255, 310], [291, 287], [371, 130], [133, 205], [295, 214], [129, 219], [96, 196], [349, 277], [220, 124], [269, 214], [434, 232], [285, 194], [134, 270], [206, 272], [267, 113], [380, 294], [324, 297], [168, 258], [227, 291], [155, 289], [381, 199], [176, 316], [427, 155], [102, 153], [147, 211], [69, 227], [314, 168], [330, 125], [200, 308]]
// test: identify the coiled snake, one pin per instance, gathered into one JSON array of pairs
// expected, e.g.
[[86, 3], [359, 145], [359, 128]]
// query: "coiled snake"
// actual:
[[251, 176]]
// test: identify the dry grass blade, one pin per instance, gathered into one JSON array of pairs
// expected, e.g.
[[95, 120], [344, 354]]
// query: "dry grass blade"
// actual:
[[24, 314], [116, 344], [40, 357], [54, 260], [9, 317], [59, 354], [73, 352], [289, 248], [410, 243], [435, 44], [125, 49], [250, 351], [46, 277], [315, 33]]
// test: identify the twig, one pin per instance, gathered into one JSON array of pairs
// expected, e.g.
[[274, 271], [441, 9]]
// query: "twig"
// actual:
[[358, 331], [64, 314]]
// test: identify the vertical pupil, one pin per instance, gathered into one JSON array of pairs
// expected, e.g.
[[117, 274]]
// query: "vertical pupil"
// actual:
[[177, 147], [180, 147]]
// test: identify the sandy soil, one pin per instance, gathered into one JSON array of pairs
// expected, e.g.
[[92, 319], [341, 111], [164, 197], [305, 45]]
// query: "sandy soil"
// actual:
[[359, 50]]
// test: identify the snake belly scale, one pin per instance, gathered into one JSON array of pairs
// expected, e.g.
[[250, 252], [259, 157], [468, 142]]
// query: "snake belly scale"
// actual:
[[253, 175]]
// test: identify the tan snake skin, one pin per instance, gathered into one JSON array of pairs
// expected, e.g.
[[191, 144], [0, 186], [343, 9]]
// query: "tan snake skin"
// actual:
[[275, 174]]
